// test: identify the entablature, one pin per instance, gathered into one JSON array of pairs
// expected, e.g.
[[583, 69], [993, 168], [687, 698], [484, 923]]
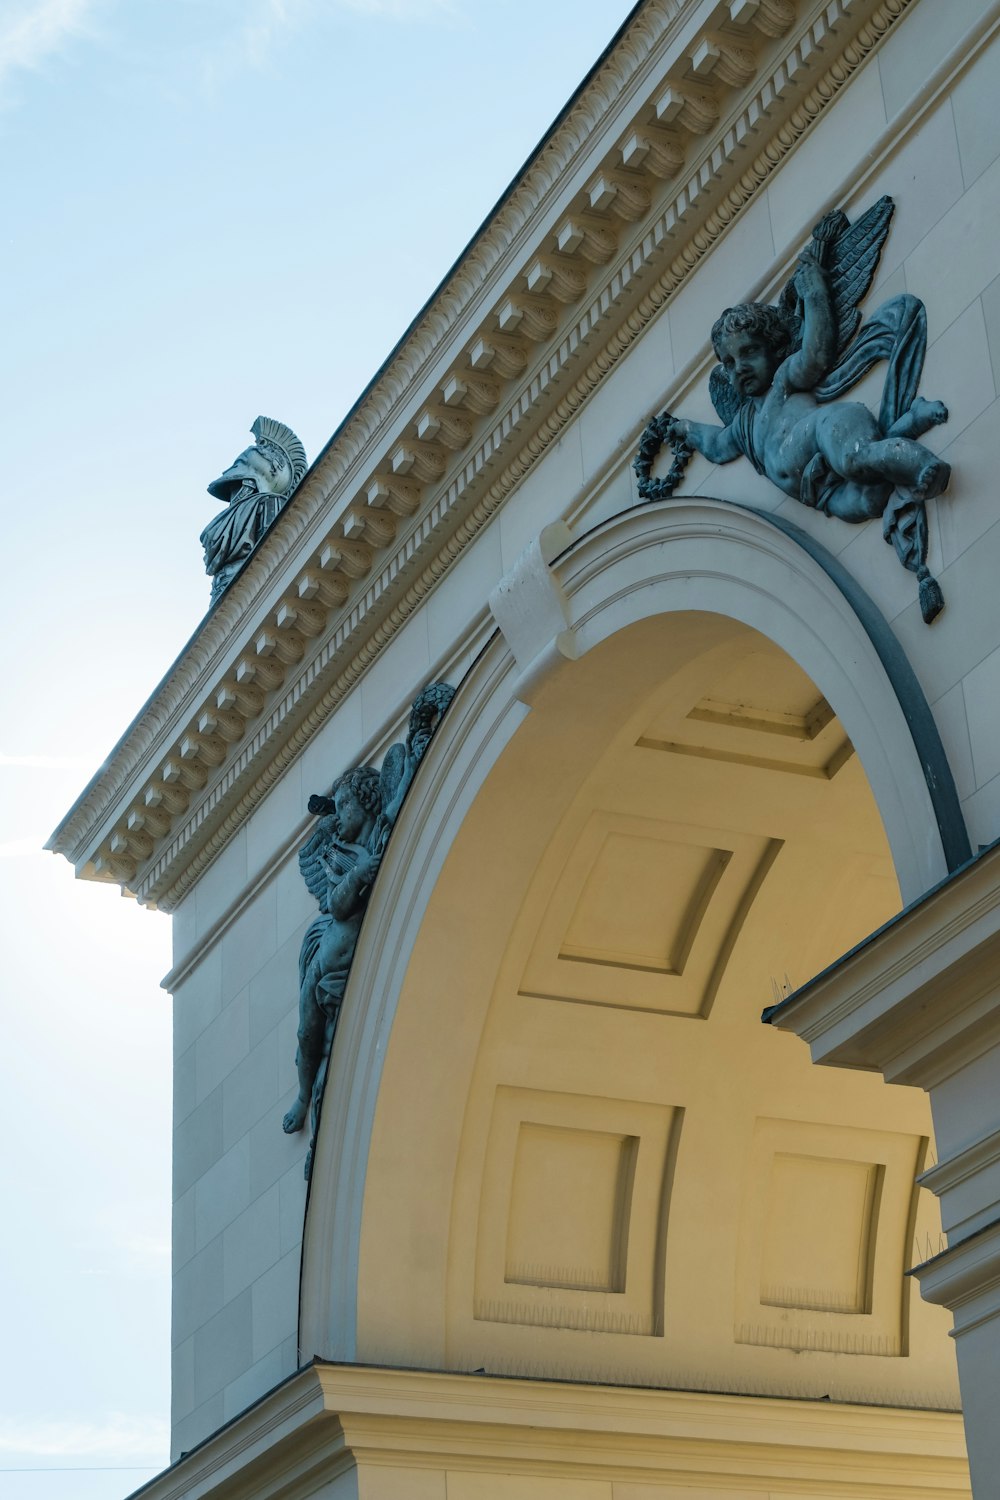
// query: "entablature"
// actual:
[[680, 125]]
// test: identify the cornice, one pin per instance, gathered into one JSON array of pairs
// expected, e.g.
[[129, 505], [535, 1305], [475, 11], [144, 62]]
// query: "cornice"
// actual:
[[965, 1278], [328, 1418], [684, 121], [918, 996], [964, 1165]]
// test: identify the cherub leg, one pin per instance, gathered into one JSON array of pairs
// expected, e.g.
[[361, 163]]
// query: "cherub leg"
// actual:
[[319, 1083], [309, 1057], [850, 441], [857, 502], [921, 417]]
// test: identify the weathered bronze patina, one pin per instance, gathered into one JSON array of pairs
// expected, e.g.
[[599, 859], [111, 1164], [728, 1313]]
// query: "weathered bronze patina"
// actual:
[[255, 487], [776, 386], [339, 863]]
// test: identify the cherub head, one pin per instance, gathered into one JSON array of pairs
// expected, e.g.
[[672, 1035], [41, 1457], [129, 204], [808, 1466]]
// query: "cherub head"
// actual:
[[357, 801], [751, 340]]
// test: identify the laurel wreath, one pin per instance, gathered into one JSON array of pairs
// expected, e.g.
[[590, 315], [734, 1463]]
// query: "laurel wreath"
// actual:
[[652, 440]]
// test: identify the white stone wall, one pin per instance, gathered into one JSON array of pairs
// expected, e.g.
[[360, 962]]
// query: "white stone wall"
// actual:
[[239, 1189]]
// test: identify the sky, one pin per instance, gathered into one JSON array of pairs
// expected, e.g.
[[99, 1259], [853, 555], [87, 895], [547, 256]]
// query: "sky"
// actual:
[[212, 209]]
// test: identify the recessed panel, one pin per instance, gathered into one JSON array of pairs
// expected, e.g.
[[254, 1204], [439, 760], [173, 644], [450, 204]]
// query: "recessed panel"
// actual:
[[764, 713], [643, 913], [819, 1233], [642, 903], [825, 1238], [572, 1213], [570, 1204]]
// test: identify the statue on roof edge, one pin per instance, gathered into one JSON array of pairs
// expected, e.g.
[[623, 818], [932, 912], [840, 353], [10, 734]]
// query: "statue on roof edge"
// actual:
[[255, 487]]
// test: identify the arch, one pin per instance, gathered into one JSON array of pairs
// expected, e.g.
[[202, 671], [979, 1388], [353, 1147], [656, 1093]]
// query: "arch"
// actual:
[[679, 582]]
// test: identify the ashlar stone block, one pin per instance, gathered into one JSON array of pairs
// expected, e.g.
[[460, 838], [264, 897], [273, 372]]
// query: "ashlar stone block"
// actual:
[[248, 942], [274, 821], [982, 697], [197, 1142], [274, 989], [198, 1291], [250, 1090], [197, 1000], [222, 1193], [275, 1304], [968, 510], [222, 1348], [953, 727], [915, 48], [963, 241], [809, 175], [250, 1244], [222, 1045], [977, 120]]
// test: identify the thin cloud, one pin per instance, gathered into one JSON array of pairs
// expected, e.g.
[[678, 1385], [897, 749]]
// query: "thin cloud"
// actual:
[[269, 22], [122, 1436], [32, 30], [48, 762]]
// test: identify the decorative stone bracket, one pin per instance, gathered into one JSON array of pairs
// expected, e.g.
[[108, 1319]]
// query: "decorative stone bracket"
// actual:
[[532, 611]]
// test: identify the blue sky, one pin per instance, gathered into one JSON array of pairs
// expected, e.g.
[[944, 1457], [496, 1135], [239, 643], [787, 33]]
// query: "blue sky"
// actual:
[[212, 208]]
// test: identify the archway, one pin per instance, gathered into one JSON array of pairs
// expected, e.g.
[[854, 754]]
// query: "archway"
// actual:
[[552, 1101]]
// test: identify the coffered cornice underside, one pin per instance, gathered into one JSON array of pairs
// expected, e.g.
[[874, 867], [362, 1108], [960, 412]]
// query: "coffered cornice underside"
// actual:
[[668, 142]]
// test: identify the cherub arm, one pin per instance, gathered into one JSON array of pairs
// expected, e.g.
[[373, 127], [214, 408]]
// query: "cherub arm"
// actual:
[[816, 356], [717, 443], [346, 893]]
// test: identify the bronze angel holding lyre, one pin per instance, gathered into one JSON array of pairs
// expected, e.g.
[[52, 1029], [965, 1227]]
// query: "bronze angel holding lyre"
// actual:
[[781, 371], [339, 862]]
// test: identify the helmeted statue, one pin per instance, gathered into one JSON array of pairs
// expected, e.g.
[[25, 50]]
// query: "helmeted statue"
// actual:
[[255, 488]]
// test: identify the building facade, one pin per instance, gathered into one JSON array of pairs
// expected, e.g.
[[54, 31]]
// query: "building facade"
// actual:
[[578, 1226]]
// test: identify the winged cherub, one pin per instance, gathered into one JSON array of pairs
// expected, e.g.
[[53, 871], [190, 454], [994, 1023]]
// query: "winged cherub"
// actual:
[[781, 368], [339, 862]]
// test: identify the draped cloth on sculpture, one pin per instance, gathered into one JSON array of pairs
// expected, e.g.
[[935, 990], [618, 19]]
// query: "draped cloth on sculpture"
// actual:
[[230, 537]]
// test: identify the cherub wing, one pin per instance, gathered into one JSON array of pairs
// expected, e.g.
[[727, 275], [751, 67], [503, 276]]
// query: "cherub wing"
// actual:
[[850, 257], [724, 398], [849, 254], [393, 769], [316, 849]]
